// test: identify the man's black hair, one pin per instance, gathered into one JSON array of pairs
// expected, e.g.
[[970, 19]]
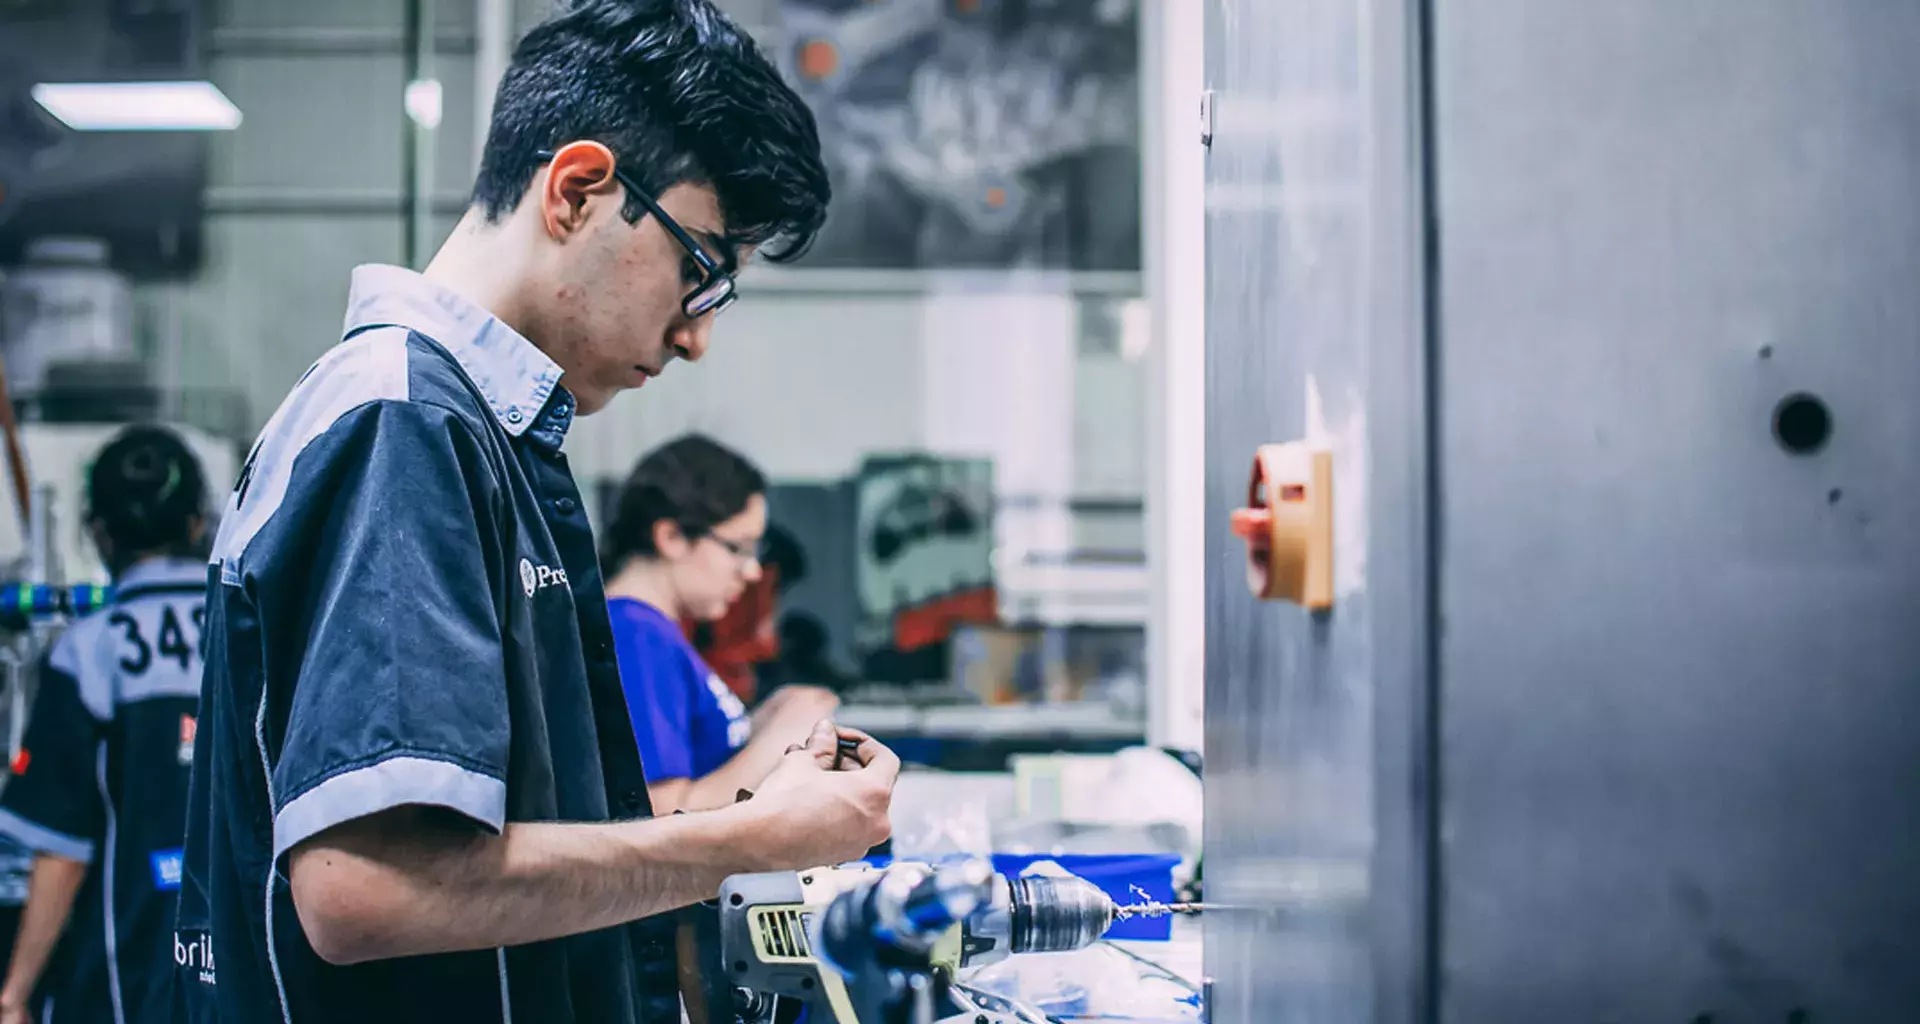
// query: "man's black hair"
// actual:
[[679, 94], [146, 489], [693, 481]]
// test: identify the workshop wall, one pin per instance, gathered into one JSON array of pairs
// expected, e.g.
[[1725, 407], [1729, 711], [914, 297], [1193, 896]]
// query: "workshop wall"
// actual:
[[310, 185], [806, 377]]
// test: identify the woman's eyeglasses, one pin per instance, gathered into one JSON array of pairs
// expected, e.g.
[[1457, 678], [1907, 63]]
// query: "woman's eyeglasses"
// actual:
[[744, 551]]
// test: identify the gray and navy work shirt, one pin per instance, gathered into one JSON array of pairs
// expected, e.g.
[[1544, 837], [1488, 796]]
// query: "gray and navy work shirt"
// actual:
[[102, 779], [406, 610]]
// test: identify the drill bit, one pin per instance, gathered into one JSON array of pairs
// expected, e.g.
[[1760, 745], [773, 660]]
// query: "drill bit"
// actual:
[[1150, 907], [1155, 908]]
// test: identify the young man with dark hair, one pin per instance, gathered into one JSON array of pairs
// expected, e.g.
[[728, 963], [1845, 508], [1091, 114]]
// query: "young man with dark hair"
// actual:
[[417, 794]]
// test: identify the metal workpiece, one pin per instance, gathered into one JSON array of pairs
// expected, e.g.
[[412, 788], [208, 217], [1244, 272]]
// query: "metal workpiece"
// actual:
[[1308, 338], [1679, 725], [1614, 716]]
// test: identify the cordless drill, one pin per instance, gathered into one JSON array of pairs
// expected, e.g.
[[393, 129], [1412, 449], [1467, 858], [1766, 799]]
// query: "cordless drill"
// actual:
[[864, 945]]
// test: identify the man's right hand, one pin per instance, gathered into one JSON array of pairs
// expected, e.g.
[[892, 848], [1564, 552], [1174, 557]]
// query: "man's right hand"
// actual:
[[815, 815]]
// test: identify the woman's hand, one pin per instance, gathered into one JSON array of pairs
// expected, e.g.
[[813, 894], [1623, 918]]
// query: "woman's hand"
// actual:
[[789, 713]]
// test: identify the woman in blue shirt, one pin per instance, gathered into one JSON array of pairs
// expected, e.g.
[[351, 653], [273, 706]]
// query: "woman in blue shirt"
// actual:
[[683, 543]]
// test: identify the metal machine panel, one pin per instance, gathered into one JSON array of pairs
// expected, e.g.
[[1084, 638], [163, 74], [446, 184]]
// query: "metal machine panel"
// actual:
[[1314, 833], [1680, 678], [1657, 492]]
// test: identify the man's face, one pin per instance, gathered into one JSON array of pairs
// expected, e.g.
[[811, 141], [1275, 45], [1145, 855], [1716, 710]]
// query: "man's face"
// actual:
[[615, 318]]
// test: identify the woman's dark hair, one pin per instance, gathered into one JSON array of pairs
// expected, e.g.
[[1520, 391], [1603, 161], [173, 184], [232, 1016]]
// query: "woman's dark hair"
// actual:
[[679, 94], [146, 490], [694, 482]]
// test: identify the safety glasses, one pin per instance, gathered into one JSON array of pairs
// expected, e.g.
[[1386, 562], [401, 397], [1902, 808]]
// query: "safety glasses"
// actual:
[[716, 290]]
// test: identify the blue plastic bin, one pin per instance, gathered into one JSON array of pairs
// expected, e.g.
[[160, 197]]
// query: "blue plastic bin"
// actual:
[[1116, 875]]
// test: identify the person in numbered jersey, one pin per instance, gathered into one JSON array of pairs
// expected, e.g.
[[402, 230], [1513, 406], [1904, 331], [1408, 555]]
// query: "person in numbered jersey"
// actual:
[[684, 543], [99, 792]]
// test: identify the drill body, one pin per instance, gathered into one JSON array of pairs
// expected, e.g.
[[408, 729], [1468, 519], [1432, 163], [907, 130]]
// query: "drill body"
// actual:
[[864, 945]]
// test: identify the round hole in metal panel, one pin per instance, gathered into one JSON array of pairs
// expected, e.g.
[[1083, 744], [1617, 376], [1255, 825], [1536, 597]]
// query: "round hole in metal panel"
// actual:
[[1802, 424]]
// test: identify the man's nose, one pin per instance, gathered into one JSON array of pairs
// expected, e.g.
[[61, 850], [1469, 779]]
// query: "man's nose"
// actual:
[[691, 337], [750, 571]]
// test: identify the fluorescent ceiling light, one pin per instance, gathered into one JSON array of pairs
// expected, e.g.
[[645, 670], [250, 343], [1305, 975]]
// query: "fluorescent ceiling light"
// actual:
[[139, 106], [423, 102]]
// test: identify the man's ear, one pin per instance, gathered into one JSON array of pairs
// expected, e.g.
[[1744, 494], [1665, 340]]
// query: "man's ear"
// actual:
[[579, 172]]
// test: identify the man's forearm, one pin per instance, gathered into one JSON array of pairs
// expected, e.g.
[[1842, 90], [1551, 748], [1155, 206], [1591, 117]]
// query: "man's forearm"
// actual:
[[403, 884], [50, 892]]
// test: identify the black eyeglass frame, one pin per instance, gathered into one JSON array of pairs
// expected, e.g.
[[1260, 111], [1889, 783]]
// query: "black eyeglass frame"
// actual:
[[712, 275], [743, 551]]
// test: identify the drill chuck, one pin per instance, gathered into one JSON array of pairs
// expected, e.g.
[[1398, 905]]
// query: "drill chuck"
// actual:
[[1057, 914]]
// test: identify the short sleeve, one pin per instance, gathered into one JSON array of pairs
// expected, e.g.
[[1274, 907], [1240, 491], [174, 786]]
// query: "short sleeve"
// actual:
[[660, 682], [52, 804], [400, 698]]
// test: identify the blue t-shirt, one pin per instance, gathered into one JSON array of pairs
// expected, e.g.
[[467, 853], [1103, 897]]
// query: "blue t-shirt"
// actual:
[[687, 721]]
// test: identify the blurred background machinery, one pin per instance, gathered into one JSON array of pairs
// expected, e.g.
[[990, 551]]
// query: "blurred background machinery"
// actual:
[[140, 192], [76, 375]]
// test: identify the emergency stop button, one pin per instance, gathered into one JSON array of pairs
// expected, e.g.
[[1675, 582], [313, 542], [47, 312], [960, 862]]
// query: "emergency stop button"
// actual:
[[1288, 525]]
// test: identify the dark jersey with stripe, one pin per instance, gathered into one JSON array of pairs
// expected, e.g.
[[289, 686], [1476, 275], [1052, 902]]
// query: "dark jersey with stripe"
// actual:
[[103, 779], [407, 612]]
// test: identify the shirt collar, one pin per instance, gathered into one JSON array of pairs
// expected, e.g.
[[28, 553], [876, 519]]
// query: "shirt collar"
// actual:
[[162, 572], [514, 376]]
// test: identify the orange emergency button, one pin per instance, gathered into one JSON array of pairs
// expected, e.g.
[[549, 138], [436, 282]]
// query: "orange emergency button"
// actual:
[[1288, 525]]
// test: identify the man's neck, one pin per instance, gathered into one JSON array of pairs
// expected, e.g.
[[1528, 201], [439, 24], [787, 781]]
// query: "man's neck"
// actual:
[[642, 581], [477, 262]]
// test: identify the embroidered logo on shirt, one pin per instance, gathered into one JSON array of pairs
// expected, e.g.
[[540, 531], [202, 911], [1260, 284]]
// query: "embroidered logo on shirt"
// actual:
[[166, 869], [195, 954], [539, 577], [20, 762], [187, 729]]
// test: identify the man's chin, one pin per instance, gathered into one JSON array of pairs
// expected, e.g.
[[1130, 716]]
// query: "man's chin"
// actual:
[[588, 401]]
